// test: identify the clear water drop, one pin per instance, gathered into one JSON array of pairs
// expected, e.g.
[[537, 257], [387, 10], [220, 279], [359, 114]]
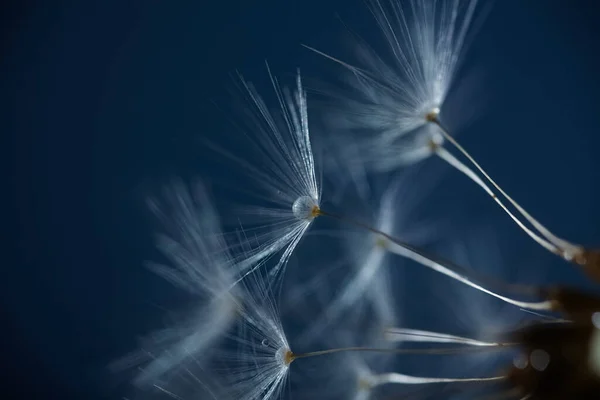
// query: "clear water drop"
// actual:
[[305, 208]]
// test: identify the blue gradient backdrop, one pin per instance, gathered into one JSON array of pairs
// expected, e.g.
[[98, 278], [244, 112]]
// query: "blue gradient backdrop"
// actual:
[[102, 101]]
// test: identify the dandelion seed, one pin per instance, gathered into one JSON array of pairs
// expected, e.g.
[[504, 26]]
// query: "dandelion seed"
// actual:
[[279, 175], [394, 101], [199, 264], [248, 359], [258, 367]]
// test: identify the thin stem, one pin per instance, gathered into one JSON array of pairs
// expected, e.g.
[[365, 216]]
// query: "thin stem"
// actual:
[[401, 251], [460, 166], [398, 247], [398, 378], [436, 351], [568, 249], [415, 335]]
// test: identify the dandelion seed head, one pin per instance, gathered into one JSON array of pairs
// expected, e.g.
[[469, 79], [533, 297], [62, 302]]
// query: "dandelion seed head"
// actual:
[[258, 368]]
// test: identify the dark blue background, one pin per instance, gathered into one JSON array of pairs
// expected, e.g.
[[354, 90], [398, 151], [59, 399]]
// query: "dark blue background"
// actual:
[[102, 101]]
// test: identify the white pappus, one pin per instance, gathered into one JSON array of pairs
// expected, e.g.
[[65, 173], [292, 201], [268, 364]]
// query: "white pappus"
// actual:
[[393, 99], [199, 263], [279, 178]]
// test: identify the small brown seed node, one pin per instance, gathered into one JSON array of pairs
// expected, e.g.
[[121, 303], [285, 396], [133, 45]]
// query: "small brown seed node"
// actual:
[[315, 211], [288, 357], [589, 259], [432, 116]]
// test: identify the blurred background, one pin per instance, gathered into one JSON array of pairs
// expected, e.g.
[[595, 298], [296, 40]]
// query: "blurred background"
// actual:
[[104, 101]]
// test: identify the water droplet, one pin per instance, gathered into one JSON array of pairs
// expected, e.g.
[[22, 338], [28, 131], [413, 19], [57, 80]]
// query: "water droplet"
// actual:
[[305, 208]]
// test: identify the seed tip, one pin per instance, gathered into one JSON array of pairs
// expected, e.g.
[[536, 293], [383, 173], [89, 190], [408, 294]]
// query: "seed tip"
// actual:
[[286, 356], [432, 115]]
